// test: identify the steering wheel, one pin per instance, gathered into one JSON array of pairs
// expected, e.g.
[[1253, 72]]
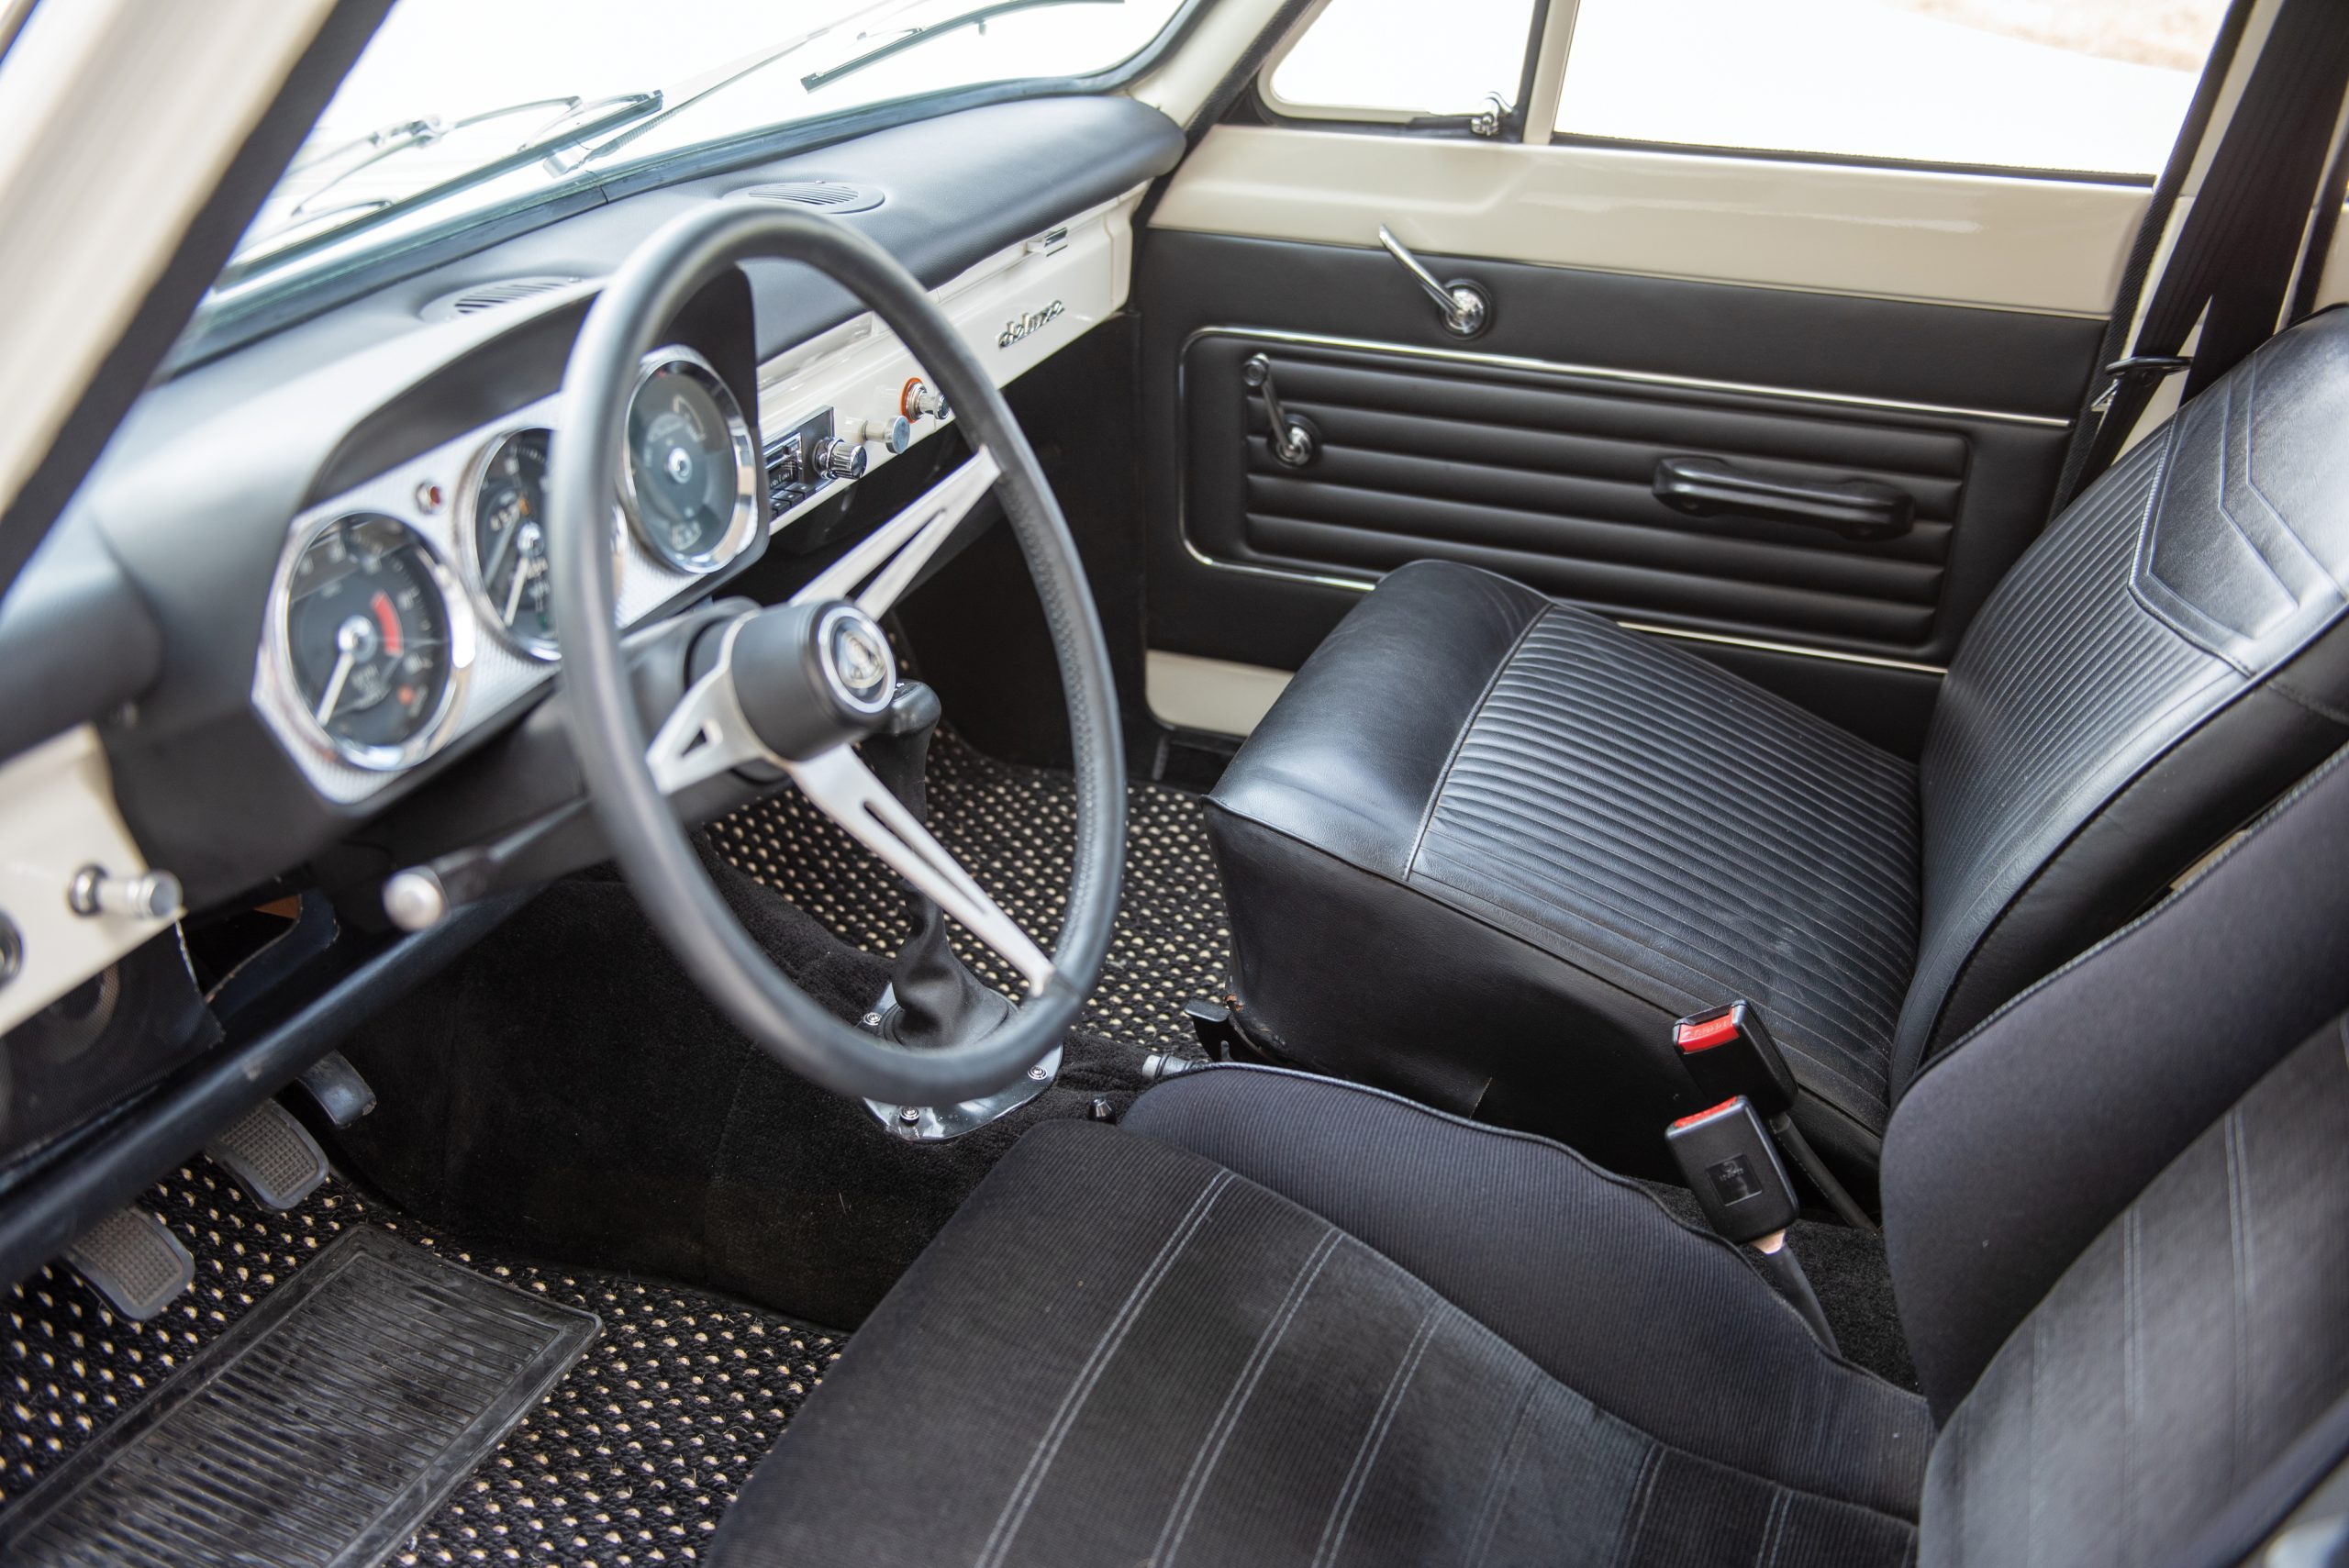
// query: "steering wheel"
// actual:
[[797, 684]]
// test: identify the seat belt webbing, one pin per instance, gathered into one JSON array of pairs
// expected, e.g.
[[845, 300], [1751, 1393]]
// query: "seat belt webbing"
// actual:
[[2236, 250]]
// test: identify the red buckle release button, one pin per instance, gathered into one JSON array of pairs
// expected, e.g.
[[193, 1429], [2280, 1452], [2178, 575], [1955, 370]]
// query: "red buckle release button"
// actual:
[[1703, 1034], [1711, 1111]]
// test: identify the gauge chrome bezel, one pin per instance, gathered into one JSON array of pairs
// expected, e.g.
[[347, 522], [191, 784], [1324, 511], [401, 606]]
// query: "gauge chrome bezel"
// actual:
[[750, 477], [546, 649], [457, 613], [469, 561]]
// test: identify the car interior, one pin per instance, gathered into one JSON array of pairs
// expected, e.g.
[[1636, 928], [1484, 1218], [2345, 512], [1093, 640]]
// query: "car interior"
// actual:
[[1290, 781]]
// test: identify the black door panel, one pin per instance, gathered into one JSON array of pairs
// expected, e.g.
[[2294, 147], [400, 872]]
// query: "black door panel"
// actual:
[[1551, 478], [1535, 450]]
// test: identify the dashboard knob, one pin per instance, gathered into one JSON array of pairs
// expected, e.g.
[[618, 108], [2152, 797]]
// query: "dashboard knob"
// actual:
[[897, 434], [921, 401], [149, 895], [838, 459]]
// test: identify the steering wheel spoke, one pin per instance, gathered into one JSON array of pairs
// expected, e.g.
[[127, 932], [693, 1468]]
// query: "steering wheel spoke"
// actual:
[[888, 559], [706, 732], [845, 790], [797, 684]]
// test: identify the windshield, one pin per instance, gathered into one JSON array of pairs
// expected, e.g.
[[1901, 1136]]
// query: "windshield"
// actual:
[[456, 105]]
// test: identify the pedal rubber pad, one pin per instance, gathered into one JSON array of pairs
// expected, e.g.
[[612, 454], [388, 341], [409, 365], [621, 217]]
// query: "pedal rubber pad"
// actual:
[[338, 1088], [271, 1155], [134, 1261]]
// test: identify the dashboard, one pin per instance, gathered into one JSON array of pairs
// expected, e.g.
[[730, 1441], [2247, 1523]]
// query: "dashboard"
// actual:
[[305, 592]]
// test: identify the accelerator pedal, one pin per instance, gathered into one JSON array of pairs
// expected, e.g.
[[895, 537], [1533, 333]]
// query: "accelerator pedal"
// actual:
[[322, 1428], [132, 1259], [271, 1155], [338, 1090]]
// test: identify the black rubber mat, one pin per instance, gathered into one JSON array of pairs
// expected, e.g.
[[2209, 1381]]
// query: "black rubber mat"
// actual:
[[630, 1459], [320, 1430], [1014, 829]]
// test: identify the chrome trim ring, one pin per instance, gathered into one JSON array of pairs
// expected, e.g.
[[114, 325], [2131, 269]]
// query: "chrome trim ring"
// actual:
[[750, 479], [456, 612], [468, 550], [469, 561]]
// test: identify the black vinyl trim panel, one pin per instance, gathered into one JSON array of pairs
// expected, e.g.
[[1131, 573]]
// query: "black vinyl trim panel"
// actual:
[[1539, 466]]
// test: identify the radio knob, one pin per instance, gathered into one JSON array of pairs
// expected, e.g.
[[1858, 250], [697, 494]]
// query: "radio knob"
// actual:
[[838, 459]]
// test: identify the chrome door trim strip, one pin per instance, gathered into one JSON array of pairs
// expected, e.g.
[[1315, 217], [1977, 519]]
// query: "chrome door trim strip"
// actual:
[[1763, 645], [1683, 634], [1635, 378]]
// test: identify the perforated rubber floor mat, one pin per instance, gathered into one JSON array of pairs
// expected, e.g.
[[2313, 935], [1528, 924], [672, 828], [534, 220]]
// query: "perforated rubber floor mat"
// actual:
[[629, 1460], [1014, 829], [321, 1429]]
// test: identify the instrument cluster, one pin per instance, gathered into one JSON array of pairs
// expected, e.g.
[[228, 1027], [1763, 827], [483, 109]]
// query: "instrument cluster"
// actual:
[[416, 606]]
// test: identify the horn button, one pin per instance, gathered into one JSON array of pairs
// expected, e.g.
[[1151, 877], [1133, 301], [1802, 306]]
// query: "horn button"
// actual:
[[810, 677]]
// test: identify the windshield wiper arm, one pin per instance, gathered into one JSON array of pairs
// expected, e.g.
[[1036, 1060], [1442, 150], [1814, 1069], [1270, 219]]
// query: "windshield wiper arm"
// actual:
[[626, 108], [977, 15]]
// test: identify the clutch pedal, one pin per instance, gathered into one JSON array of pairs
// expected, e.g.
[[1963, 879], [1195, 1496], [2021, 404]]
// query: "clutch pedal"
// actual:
[[132, 1259]]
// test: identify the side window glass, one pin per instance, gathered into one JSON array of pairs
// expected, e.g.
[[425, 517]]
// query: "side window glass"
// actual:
[[1395, 59], [2088, 85]]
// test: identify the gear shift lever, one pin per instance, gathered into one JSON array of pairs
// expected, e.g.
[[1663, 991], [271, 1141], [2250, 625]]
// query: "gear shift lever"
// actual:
[[938, 1000]]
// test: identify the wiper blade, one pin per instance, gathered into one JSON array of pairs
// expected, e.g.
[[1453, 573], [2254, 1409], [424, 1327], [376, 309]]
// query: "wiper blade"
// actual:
[[544, 143], [977, 15], [694, 92]]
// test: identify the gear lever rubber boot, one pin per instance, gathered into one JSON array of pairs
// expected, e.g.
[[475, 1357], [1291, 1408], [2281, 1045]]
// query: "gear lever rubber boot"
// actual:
[[939, 1001]]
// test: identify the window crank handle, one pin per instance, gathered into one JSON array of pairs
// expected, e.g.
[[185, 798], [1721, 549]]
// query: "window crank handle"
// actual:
[[1293, 439], [1467, 310]]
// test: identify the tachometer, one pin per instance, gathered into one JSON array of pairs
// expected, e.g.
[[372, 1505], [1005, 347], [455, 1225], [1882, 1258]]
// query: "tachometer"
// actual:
[[691, 484], [505, 538], [376, 640]]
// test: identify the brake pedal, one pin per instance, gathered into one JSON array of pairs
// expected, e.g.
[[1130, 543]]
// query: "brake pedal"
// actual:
[[271, 1155], [132, 1259]]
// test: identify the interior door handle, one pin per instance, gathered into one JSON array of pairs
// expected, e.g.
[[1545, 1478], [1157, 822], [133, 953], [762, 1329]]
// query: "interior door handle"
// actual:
[[1467, 308], [1856, 508]]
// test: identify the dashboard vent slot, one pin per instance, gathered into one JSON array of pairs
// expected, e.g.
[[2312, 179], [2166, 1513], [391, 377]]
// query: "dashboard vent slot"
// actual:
[[824, 196], [478, 297]]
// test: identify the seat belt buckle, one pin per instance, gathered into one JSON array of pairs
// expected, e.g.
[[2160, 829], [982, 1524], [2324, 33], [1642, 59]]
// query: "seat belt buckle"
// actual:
[[1729, 1054], [1728, 1160]]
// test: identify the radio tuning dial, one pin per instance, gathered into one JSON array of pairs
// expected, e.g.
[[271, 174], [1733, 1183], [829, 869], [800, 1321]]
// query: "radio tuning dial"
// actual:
[[838, 459]]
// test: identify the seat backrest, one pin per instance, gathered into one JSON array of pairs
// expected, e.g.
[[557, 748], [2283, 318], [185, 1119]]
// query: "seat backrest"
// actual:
[[2119, 1222], [2165, 662]]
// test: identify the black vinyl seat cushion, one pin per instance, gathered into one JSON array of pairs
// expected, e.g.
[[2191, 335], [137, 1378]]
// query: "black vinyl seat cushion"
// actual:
[[1485, 847], [1197, 1338], [1615, 831], [1270, 1319]]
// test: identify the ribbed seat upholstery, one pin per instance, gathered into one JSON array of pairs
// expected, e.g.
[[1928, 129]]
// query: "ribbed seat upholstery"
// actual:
[[1271, 1319], [1601, 771], [1485, 847]]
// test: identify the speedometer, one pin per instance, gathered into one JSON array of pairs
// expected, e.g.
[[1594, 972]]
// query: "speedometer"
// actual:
[[376, 642], [691, 484]]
